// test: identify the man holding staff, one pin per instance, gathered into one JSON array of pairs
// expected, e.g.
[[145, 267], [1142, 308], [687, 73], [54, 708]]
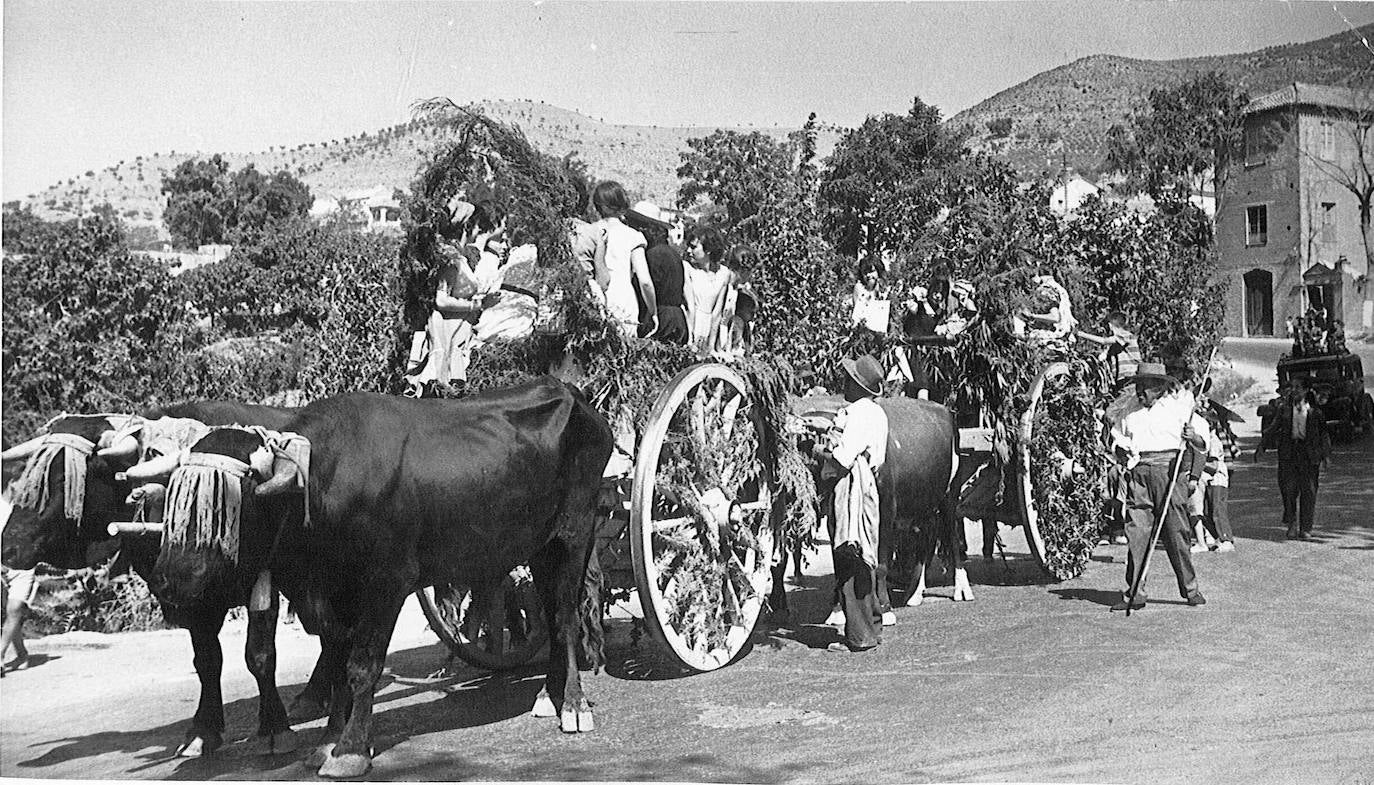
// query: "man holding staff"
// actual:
[[1147, 439]]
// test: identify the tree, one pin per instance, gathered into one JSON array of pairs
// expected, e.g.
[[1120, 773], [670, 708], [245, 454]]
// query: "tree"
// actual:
[[877, 182], [205, 204], [1185, 134], [87, 318], [1000, 127], [198, 201], [739, 172]]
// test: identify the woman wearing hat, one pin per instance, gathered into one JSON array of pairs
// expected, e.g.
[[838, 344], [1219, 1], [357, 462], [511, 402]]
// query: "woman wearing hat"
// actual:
[[665, 269], [858, 446], [1147, 440]]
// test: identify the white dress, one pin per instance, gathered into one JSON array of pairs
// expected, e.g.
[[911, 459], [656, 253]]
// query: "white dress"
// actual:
[[621, 241], [703, 286]]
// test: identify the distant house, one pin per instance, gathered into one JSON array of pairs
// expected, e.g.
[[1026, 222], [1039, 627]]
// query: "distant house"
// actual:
[[1068, 194], [371, 209], [1288, 232]]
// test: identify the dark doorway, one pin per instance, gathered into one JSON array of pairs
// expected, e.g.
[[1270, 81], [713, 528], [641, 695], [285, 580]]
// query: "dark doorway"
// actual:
[[1259, 303]]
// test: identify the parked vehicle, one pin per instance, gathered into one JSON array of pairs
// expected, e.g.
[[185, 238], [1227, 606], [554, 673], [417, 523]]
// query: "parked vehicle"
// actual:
[[1338, 382]]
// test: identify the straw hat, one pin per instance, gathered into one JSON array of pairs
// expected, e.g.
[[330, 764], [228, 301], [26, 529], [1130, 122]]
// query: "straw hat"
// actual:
[[649, 213]]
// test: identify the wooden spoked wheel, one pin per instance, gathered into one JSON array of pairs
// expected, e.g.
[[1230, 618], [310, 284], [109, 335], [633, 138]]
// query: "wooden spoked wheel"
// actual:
[[1027, 444], [701, 534], [506, 630]]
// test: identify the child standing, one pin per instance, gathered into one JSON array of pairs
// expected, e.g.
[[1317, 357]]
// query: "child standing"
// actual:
[[858, 445]]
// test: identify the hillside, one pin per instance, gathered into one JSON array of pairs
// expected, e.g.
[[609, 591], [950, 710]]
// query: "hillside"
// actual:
[[1078, 102], [1064, 111], [645, 158]]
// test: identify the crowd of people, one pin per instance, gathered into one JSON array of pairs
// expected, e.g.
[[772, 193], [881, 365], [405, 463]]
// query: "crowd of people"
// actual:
[[658, 277]]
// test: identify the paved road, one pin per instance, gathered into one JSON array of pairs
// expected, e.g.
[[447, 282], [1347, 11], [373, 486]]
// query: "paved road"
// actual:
[[1035, 681]]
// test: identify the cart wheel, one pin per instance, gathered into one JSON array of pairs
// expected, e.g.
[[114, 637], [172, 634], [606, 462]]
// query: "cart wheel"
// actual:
[[510, 633], [1034, 538], [701, 533]]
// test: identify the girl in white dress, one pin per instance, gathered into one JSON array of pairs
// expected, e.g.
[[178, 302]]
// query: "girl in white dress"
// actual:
[[622, 249], [705, 285]]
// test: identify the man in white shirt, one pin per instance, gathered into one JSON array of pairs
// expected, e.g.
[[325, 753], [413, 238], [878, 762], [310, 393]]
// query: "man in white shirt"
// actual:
[[1147, 440], [858, 445]]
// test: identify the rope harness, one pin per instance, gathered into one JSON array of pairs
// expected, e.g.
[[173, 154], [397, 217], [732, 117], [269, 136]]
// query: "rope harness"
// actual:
[[31, 489]]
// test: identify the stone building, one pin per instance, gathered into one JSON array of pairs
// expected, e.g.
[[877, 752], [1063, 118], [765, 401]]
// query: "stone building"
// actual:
[[1288, 229]]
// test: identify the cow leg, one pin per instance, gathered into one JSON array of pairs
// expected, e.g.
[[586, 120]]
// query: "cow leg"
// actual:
[[274, 735], [352, 757], [313, 699], [925, 554], [953, 527], [332, 668], [206, 733], [885, 555]]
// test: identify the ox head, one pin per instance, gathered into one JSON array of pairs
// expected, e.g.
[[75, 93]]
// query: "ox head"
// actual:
[[215, 528], [65, 496]]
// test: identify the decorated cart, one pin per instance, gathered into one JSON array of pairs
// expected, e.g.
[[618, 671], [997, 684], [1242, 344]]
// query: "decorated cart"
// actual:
[[711, 484], [688, 534]]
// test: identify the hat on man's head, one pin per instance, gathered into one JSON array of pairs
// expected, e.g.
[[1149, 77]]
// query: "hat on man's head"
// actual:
[[649, 213], [866, 372], [1152, 371]]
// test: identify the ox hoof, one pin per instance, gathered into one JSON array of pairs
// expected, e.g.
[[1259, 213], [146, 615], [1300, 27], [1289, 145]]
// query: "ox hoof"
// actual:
[[278, 743], [543, 706], [321, 754], [578, 721], [889, 619], [197, 746], [348, 765], [914, 600]]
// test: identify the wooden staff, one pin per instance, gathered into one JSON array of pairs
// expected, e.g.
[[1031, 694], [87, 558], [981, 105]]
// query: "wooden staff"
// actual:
[[1162, 509]]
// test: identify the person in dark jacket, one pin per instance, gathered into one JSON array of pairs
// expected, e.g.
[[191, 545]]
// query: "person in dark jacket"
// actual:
[[1298, 431], [667, 272]]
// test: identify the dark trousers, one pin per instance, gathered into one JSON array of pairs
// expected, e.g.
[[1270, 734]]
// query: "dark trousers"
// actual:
[[1148, 482], [862, 619], [1298, 481], [1216, 515]]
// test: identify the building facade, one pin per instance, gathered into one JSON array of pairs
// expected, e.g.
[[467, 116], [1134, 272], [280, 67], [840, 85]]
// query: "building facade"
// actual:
[[1289, 235]]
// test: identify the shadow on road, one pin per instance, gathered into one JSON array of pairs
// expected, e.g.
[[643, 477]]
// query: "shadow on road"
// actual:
[[1103, 597]]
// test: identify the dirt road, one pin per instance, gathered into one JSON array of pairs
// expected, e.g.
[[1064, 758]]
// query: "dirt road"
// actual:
[[1035, 681]]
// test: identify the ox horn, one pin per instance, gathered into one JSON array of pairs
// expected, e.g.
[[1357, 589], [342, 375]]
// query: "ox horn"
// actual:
[[153, 468], [121, 447], [283, 478], [20, 451]]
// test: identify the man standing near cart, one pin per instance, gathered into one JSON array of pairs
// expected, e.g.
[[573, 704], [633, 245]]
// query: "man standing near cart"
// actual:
[[1151, 435], [856, 451]]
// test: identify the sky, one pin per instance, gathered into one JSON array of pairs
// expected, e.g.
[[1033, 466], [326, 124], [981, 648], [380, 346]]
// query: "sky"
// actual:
[[87, 84]]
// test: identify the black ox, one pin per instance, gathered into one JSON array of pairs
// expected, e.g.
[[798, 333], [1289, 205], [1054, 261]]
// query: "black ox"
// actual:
[[916, 501], [48, 532], [402, 494]]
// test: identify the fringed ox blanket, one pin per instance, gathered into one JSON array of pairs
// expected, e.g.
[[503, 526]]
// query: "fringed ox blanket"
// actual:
[[31, 489], [204, 499]]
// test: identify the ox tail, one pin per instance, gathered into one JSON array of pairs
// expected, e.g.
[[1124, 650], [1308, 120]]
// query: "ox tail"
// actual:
[[30, 490], [591, 639]]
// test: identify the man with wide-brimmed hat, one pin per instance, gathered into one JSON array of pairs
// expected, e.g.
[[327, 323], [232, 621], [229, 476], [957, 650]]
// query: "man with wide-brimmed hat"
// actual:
[[858, 447], [1147, 439]]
